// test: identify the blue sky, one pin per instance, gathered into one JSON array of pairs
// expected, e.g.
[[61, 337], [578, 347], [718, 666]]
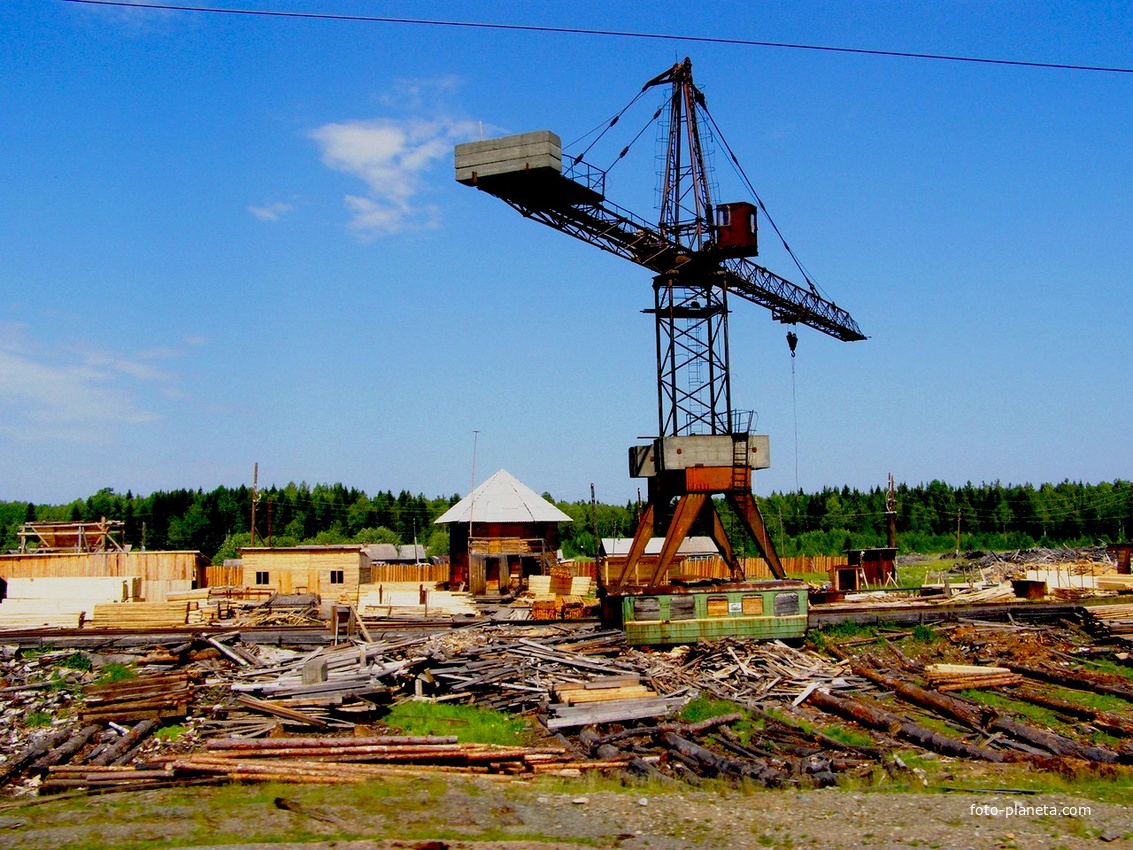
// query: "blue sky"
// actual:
[[230, 240]]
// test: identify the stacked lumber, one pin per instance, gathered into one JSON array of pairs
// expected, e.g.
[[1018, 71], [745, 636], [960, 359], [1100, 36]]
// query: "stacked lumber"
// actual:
[[581, 586], [547, 607], [578, 607], [603, 689], [338, 760], [155, 697], [539, 585], [61, 601], [409, 600], [1113, 620], [142, 615], [959, 677], [1115, 581]]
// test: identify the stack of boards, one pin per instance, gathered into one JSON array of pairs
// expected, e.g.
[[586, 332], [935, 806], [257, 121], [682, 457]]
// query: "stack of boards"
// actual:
[[413, 600], [63, 602]]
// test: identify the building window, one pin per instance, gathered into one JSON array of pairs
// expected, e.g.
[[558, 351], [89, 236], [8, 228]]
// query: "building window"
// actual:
[[262, 577], [337, 576]]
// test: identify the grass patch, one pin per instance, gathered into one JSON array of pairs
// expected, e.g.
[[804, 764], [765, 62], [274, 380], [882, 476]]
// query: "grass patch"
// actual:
[[923, 634], [1036, 714], [116, 672], [853, 737], [470, 724], [705, 708], [1104, 665], [36, 719], [77, 661], [1089, 699], [847, 630], [169, 734]]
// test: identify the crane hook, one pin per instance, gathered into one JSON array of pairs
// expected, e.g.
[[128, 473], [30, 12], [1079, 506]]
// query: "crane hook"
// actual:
[[792, 341]]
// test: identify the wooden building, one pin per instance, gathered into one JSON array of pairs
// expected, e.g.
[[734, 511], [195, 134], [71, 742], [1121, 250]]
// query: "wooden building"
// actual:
[[330, 571], [500, 533], [160, 572]]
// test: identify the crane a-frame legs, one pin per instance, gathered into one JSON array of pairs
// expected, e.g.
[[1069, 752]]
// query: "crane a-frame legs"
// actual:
[[690, 507]]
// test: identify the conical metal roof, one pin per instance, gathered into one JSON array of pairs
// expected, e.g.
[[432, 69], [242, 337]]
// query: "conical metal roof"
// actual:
[[502, 498]]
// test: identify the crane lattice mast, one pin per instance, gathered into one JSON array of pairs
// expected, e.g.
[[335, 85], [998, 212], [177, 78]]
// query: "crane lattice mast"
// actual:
[[699, 253]]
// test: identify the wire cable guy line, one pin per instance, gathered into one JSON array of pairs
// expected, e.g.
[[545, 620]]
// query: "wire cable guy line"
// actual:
[[695, 39]]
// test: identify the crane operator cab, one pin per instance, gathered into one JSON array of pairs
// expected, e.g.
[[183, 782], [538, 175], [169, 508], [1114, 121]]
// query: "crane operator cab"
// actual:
[[736, 230]]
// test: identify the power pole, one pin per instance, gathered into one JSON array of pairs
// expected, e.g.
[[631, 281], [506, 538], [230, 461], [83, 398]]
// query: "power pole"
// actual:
[[958, 531], [597, 540], [255, 498], [891, 513]]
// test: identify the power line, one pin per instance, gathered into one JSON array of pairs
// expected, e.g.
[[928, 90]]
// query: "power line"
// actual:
[[531, 28]]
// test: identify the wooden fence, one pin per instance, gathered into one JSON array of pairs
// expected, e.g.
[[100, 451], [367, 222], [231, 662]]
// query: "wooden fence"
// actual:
[[427, 573]]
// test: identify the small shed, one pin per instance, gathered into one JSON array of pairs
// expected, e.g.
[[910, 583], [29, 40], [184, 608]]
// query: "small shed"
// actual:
[[866, 567], [499, 533], [331, 570]]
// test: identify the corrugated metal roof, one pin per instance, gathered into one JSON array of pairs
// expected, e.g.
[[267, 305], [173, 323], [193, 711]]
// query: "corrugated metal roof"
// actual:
[[503, 498], [690, 546]]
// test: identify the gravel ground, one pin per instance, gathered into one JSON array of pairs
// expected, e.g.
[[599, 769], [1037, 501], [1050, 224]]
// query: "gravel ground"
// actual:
[[464, 814]]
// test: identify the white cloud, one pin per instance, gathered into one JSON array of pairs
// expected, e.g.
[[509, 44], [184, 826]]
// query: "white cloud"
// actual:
[[73, 395], [391, 156], [271, 212]]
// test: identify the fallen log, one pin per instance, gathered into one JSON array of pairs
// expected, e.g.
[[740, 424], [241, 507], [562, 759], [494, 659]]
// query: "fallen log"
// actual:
[[126, 743], [68, 749], [1079, 680], [875, 717], [1112, 723], [758, 771], [680, 728], [36, 749], [983, 718]]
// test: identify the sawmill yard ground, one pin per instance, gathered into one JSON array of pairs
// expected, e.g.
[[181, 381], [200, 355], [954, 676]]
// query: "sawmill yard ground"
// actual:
[[473, 812]]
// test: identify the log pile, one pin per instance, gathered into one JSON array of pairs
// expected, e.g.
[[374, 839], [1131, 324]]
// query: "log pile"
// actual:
[[959, 677]]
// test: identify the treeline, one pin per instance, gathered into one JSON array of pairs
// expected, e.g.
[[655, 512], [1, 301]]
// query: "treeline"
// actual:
[[929, 517], [986, 516], [219, 521]]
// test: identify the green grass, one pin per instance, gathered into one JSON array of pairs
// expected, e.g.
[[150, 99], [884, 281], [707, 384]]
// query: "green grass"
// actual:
[[705, 708], [77, 661], [1104, 665], [116, 672], [170, 734], [1036, 714], [36, 719], [847, 630], [470, 724], [1089, 699]]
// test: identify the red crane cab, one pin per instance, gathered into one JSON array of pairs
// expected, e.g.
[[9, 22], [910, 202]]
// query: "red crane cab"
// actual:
[[735, 230]]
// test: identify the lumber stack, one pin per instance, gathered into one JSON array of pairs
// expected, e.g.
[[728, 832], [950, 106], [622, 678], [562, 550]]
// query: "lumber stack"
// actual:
[[959, 677], [1115, 581], [61, 601], [1114, 620], [142, 615], [144, 698], [413, 600]]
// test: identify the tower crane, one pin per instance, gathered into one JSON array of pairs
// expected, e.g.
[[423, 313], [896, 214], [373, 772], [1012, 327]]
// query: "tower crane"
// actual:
[[699, 253]]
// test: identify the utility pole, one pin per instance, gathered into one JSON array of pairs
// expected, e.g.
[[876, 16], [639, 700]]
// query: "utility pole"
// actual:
[[891, 513], [958, 531], [597, 540], [255, 498]]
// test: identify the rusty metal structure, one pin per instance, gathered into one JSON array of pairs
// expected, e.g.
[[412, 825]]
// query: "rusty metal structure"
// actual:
[[700, 253]]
